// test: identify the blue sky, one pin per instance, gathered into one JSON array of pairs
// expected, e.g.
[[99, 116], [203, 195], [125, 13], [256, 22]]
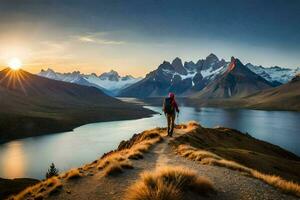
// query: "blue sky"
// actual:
[[134, 36]]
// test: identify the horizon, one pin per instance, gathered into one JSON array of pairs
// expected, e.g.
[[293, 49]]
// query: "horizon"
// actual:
[[135, 38], [143, 75]]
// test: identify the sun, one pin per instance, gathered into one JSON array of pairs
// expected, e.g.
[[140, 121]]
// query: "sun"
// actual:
[[15, 63]]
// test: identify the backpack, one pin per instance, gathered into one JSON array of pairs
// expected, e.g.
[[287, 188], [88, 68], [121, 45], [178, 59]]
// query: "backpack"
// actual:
[[168, 108]]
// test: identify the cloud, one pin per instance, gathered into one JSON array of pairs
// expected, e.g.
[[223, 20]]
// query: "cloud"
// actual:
[[94, 38]]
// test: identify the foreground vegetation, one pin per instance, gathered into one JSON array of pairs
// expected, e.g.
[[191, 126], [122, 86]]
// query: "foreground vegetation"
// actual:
[[136, 170], [169, 182], [228, 148], [111, 164]]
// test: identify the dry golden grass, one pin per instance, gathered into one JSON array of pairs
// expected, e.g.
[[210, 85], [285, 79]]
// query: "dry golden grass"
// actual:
[[168, 183], [115, 168], [148, 135], [276, 181], [135, 155], [88, 166], [40, 190], [209, 158], [112, 164], [73, 174], [194, 154], [116, 157], [126, 164]]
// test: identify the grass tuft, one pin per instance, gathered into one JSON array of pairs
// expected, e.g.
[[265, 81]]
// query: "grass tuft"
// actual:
[[135, 155], [209, 158], [40, 190], [113, 168], [73, 174], [168, 183], [288, 187]]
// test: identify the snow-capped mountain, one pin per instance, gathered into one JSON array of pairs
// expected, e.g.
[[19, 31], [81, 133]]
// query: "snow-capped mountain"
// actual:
[[110, 82], [236, 81], [182, 79], [274, 74]]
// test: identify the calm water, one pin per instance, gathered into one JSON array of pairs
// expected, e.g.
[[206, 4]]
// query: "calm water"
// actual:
[[32, 156]]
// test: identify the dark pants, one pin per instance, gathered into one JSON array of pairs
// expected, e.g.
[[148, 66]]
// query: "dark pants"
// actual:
[[171, 120]]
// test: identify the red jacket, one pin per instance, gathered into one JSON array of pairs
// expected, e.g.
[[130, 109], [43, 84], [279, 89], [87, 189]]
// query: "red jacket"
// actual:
[[174, 104]]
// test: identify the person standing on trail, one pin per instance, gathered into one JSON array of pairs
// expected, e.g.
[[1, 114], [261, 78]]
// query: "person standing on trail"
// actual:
[[169, 108]]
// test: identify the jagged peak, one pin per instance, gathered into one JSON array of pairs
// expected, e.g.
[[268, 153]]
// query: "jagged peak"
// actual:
[[189, 62], [48, 70], [212, 56], [177, 59], [177, 62], [234, 62], [165, 62]]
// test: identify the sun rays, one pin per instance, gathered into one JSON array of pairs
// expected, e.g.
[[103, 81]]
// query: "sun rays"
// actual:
[[14, 79]]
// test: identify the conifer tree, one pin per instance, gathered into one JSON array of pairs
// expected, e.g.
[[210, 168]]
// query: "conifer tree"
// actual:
[[52, 171]]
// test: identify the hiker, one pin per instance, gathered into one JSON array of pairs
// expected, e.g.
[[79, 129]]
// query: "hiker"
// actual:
[[169, 108]]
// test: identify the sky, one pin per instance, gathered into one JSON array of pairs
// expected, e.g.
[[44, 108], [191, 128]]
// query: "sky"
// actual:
[[135, 36]]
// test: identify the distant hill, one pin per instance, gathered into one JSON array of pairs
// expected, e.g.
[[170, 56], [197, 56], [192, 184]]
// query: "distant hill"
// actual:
[[32, 105], [14, 186], [236, 81], [283, 97], [109, 82]]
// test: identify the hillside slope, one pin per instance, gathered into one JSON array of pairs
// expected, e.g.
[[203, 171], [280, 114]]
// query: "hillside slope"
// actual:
[[32, 105], [283, 97], [237, 81], [117, 175]]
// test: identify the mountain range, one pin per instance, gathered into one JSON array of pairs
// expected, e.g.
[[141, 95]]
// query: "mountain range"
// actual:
[[183, 78], [237, 81], [33, 105], [110, 83], [209, 81], [190, 78]]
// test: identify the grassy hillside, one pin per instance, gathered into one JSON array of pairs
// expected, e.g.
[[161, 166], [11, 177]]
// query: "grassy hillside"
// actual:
[[284, 97], [244, 149], [153, 166], [31, 105], [8, 186]]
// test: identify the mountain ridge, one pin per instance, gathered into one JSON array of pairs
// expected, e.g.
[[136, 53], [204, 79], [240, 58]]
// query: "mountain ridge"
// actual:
[[183, 79], [236, 81], [109, 82], [32, 105]]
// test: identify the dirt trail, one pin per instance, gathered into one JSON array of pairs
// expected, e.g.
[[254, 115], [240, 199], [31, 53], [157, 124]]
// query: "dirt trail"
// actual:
[[229, 184]]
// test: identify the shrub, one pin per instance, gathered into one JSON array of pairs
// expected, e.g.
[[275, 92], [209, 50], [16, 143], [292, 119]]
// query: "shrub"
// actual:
[[52, 171]]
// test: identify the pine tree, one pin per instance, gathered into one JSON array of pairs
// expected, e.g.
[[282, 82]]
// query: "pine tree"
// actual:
[[52, 171]]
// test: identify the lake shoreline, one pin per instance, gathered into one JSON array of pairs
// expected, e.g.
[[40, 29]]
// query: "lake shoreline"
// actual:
[[58, 126], [222, 103]]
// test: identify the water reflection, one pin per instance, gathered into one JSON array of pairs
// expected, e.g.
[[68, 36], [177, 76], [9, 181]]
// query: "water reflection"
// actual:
[[15, 163]]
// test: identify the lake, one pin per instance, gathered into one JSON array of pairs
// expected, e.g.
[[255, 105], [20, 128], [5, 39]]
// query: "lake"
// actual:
[[31, 157]]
